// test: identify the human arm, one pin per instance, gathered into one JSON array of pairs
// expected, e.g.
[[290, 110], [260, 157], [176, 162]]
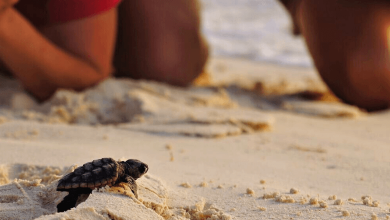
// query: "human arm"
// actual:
[[73, 55]]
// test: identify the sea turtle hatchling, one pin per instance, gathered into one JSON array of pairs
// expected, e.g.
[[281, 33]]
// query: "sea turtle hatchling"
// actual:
[[96, 174]]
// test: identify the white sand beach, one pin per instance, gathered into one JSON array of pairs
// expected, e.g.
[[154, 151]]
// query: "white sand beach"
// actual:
[[249, 141]]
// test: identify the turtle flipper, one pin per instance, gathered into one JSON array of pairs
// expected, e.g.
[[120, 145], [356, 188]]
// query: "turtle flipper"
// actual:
[[68, 202], [132, 184], [74, 198]]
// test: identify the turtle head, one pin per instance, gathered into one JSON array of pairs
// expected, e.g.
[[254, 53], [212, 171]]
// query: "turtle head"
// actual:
[[136, 168]]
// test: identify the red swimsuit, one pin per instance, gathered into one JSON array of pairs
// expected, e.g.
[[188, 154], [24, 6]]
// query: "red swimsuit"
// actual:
[[44, 12]]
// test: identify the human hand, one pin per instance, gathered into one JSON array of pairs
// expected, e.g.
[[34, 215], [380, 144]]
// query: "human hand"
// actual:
[[4, 4]]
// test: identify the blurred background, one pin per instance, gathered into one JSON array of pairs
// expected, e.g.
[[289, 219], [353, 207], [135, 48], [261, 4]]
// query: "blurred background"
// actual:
[[258, 30]]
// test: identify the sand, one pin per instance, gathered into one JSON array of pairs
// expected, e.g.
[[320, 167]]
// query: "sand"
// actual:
[[254, 141]]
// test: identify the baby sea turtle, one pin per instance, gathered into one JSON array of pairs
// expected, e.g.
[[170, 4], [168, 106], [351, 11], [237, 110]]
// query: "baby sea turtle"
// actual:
[[96, 174]]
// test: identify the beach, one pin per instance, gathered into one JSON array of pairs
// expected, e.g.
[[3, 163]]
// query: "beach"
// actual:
[[247, 141]]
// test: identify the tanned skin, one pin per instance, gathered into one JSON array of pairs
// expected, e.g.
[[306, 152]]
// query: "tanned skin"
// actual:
[[74, 55], [158, 40], [350, 45]]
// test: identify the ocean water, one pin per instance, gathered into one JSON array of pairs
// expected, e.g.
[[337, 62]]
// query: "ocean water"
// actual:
[[258, 30]]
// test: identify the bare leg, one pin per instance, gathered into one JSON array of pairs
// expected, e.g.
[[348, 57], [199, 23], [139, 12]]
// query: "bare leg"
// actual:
[[292, 6], [160, 40], [349, 43]]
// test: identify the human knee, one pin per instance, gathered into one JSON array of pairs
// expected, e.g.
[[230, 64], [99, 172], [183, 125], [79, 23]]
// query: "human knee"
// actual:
[[362, 87], [348, 43], [164, 43], [180, 63]]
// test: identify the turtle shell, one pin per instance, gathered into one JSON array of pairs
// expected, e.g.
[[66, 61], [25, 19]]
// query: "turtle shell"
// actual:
[[92, 175]]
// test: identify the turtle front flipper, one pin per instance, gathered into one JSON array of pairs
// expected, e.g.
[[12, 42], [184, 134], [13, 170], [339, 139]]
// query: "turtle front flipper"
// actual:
[[132, 185], [74, 198], [69, 202]]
